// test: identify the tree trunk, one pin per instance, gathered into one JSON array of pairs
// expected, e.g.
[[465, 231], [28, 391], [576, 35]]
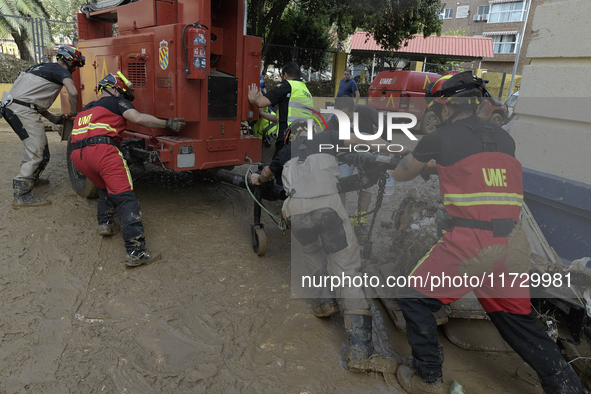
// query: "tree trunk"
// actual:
[[23, 48]]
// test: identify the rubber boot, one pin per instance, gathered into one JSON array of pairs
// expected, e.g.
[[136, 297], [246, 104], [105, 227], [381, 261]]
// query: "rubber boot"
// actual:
[[412, 383], [361, 357], [23, 197], [140, 257], [325, 307]]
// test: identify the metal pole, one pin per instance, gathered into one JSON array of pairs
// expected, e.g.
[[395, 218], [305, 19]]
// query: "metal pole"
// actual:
[[424, 63], [34, 43], [373, 63], [245, 16], [518, 50], [502, 85], [42, 46]]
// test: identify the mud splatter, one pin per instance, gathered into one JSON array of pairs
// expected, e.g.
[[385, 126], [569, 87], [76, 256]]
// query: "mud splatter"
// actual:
[[211, 316]]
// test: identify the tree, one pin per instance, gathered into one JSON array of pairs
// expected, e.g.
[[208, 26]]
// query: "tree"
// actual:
[[20, 25], [391, 22], [398, 20], [301, 30], [64, 11]]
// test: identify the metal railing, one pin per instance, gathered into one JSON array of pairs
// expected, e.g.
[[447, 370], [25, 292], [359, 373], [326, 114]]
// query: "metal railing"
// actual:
[[39, 36]]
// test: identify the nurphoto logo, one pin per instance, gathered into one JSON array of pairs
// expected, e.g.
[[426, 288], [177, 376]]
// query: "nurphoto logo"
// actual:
[[394, 121]]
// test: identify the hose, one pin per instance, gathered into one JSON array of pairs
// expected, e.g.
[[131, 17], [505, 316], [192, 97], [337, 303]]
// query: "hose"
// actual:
[[278, 221]]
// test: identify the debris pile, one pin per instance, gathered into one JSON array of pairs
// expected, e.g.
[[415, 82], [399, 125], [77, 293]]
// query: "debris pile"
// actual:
[[415, 222]]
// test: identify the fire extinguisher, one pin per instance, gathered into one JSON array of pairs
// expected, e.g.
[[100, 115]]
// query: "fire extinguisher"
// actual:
[[195, 51]]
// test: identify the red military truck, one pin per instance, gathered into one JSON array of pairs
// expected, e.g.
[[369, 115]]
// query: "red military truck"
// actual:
[[185, 58]]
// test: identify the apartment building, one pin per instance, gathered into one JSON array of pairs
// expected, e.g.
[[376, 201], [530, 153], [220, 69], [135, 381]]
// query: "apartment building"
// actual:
[[502, 20]]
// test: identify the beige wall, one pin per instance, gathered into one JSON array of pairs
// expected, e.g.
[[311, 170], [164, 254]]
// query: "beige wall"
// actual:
[[553, 133]]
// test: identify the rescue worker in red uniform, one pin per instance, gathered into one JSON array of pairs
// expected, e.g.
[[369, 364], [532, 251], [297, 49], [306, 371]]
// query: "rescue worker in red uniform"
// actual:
[[96, 138], [481, 187], [25, 106]]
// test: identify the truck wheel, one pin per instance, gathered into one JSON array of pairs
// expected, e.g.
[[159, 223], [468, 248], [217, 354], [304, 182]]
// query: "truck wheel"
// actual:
[[496, 118], [81, 185], [429, 123]]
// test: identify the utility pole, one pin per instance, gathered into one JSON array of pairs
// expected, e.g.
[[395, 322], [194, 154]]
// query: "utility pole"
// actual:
[[519, 49]]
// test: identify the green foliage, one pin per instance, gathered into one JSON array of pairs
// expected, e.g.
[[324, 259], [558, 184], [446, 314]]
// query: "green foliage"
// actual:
[[390, 21], [300, 29], [398, 20], [63, 10], [21, 29], [10, 67], [321, 88], [457, 32], [363, 89]]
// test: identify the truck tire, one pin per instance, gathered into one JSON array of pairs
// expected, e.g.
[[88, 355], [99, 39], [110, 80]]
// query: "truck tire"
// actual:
[[496, 118], [429, 122], [81, 185]]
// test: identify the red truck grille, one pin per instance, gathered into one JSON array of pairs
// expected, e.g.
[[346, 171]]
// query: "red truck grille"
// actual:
[[137, 75]]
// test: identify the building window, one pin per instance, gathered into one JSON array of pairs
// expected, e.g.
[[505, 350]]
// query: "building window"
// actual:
[[482, 10], [505, 44], [446, 13], [506, 12]]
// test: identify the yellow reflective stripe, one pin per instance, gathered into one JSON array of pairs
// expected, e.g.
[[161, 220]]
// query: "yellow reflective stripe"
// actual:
[[489, 198], [126, 169], [491, 194], [470, 203], [92, 126], [424, 257]]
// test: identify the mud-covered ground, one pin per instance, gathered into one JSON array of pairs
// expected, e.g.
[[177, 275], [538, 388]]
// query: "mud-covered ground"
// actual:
[[211, 316]]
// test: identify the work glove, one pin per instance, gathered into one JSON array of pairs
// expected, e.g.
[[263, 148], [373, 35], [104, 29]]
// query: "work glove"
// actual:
[[57, 119], [175, 124]]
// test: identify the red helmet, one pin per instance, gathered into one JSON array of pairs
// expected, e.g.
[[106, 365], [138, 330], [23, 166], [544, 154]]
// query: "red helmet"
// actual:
[[452, 72], [456, 88], [119, 83], [70, 52]]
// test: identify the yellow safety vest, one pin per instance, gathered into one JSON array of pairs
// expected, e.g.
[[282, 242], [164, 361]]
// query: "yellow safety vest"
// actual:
[[299, 100], [265, 127]]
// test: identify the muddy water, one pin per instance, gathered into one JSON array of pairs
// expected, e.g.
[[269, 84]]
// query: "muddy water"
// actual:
[[211, 316]]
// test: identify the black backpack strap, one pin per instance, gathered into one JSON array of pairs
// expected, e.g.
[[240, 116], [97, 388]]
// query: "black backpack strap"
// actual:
[[486, 133]]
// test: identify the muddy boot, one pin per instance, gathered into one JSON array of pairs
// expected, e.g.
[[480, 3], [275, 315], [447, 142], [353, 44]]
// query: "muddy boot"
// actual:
[[23, 197], [106, 229], [361, 357], [325, 307], [137, 258], [412, 383]]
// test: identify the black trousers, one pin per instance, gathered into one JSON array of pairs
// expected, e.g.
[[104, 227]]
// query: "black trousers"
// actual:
[[522, 332], [127, 207]]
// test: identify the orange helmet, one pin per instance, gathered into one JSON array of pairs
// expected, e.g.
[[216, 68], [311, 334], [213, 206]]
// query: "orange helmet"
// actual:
[[456, 88]]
